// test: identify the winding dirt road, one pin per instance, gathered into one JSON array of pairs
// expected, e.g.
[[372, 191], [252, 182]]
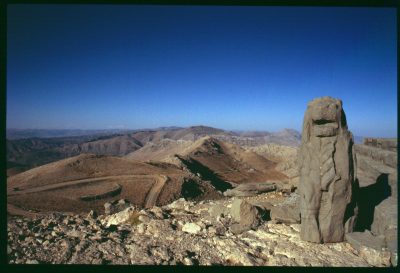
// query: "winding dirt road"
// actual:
[[74, 182], [14, 210], [150, 200], [155, 191]]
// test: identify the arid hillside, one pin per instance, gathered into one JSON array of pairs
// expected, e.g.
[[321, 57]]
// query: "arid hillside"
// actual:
[[212, 159], [230, 162], [163, 150], [158, 173], [88, 181], [27, 153], [118, 146]]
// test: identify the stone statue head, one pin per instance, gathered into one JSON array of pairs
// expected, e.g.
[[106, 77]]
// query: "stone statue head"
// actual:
[[324, 118]]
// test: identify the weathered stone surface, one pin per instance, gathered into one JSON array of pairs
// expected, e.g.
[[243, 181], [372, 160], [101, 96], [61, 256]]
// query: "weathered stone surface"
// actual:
[[161, 241], [239, 228], [369, 170], [245, 213], [116, 206], [287, 212], [385, 224], [191, 228], [250, 189], [393, 180], [393, 258], [389, 144], [326, 167], [385, 216], [388, 158], [262, 205], [371, 248], [366, 238], [375, 257], [218, 210], [119, 218], [287, 188]]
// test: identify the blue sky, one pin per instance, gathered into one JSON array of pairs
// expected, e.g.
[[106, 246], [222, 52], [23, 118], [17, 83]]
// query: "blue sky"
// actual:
[[250, 68]]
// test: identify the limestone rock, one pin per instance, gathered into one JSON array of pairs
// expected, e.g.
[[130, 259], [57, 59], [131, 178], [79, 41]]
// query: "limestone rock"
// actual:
[[245, 213], [388, 158], [393, 180], [92, 215], [218, 210], [161, 241], [116, 206], [385, 224], [389, 144], [286, 214], [371, 248], [326, 167], [251, 189], [366, 238], [385, 217], [191, 228], [118, 218], [375, 257]]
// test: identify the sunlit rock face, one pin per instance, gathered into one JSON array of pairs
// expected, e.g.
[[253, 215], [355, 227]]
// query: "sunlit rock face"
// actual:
[[326, 166]]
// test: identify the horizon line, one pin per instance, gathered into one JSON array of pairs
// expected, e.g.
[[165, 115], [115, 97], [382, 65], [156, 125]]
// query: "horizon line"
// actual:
[[152, 128]]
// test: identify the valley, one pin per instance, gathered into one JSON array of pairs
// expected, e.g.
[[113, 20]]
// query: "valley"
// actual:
[[231, 178], [146, 168]]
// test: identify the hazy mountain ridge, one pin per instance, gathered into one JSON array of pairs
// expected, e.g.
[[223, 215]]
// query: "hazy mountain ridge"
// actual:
[[31, 152], [55, 133], [203, 169]]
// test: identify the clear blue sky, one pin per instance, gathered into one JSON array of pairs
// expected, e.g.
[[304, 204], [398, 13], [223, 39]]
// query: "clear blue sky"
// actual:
[[251, 68]]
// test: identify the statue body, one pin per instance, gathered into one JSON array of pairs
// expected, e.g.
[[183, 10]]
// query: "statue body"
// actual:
[[326, 173]]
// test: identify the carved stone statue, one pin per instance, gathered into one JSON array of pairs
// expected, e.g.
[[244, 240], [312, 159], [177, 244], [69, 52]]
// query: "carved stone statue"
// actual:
[[326, 173]]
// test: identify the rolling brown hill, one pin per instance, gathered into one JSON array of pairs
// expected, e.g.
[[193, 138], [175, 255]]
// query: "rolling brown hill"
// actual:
[[191, 134], [117, 146], [213, 158], [231, 162], [28, 153], [163, 150], [201, 168], [87, 181]]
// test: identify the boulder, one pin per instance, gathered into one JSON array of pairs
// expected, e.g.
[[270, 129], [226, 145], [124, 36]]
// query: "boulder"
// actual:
[[116, 206], [245, 213], [92, 215], [385, 224], [392, 177], [119, 218], [326, 167], [218, 210], [239, 228], [191, 228], [251, 189], [285, 188], [366, 238], [262, 205], [370, 247], [287, 212], [369, 170], [385, 217]]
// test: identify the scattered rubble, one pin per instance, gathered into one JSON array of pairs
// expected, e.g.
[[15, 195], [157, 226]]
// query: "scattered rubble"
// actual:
[[181, 233], [251, 189]]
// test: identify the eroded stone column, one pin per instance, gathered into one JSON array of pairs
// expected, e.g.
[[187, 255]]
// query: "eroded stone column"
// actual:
[[326, 173]]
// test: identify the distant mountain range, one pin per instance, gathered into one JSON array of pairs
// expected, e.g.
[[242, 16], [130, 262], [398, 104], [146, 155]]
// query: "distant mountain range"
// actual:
[[34, 147], [50, 133]]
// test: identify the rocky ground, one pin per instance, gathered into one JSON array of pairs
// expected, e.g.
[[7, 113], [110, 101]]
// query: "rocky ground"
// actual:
[[232, 231]]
